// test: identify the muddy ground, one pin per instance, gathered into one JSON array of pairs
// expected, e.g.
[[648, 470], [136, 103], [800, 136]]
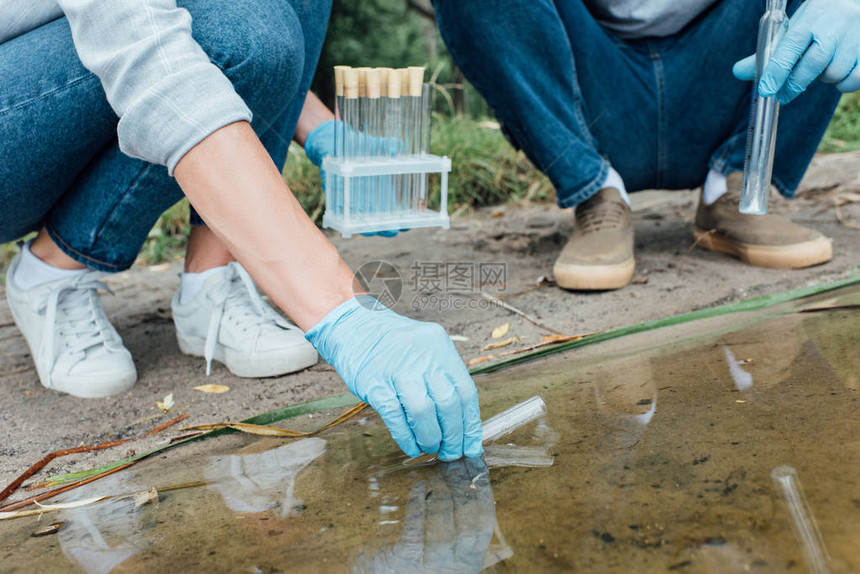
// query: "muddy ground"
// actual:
[[516, 245]]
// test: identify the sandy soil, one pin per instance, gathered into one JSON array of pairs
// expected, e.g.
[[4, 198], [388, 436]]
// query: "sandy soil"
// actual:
[[672, 276]]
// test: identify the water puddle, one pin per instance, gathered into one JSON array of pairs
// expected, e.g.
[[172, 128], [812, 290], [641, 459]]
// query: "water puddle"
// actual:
[[733, 446]]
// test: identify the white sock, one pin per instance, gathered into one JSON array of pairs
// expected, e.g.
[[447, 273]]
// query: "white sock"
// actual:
[[714, 188], [32, 271], [192, 283], [613, 179]]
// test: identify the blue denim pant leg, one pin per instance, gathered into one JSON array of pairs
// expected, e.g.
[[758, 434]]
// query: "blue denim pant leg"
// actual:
[[53, 116], [661, 110], [101, 213], [520, 55]]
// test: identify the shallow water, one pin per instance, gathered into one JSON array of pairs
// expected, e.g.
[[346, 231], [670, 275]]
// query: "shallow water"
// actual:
[[656, 454]]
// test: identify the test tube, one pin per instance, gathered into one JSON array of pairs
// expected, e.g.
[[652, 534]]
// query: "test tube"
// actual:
[[351, 124], [803, 521], [360, 197], [413, 125], [374, 135], [424, 142], [339, 134], [393, 129], [403, 186], [761, 136], [499, 425], [513, 418]]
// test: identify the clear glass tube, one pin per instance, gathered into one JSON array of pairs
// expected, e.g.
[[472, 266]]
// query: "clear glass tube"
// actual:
[[802, 520], [513, 418], [393, 135], [424, 141], [761, 137]]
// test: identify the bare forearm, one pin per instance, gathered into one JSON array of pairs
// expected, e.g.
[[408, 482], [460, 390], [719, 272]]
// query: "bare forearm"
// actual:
[[314, 113], [233, 184]]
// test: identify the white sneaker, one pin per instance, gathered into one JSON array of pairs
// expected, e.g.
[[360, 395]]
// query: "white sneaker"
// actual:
[[74, 346], [228, 321]]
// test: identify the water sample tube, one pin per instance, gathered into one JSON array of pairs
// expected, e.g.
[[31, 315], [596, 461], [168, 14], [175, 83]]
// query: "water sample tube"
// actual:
[[424, 141], [761, 137], [351, 123], [393, 133], [510, 420], [805, 528], [413, 103], [338, 110], [374, 137]]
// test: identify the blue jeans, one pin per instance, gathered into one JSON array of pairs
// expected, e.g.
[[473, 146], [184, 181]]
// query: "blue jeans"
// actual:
[[576, 98], [61, 167]]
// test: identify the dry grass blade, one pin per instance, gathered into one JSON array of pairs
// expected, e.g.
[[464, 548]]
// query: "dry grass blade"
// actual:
[[13, 486], [265, 430], [547, 341], [500, 344]]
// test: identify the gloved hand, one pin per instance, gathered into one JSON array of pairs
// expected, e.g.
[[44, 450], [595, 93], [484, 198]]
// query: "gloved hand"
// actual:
[[408, 371], [822, 42], [318, 145]]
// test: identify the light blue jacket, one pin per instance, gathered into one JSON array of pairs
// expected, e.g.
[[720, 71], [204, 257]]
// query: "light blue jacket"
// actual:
[[160, 83]]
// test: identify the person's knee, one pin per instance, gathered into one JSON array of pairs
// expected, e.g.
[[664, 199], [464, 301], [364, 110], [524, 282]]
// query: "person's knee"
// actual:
[[260, 46]]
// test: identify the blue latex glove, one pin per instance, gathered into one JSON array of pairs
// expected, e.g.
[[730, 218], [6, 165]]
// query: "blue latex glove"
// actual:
[[822, 42], [409, 372], [318, 145]]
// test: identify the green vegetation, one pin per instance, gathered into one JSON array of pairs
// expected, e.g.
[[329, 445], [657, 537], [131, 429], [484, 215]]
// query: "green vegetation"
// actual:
[[844, 131]]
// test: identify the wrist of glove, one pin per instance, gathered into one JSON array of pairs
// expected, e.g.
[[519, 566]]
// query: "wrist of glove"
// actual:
[[822, 43], [408, 371]]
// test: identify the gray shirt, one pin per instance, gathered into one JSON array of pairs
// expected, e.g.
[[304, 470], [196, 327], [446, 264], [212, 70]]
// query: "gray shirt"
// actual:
[[646, 18]]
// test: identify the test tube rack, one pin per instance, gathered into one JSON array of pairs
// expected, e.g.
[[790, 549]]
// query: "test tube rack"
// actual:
[[349, 212], [378, 178]]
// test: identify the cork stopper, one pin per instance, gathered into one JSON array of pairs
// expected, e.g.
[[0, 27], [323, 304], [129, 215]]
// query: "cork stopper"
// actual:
[[373, 87], [350, 83], [390, 81], [362, 82], [338, 79], [416, 80]]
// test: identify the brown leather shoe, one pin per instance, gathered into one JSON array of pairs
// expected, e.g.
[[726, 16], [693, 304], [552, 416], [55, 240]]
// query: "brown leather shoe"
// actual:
[[599, 254], [762, 240]]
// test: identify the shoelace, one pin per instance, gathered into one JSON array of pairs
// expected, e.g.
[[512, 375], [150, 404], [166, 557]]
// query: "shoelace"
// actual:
[[249, 309], [70, 311], [604, 215]]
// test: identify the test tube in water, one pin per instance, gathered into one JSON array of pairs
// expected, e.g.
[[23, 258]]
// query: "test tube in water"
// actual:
[[513, 418], [761, 137], [802, 520]]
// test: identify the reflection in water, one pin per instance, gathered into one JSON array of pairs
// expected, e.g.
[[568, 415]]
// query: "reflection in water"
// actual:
[[743, 380], [263, 481], [805, 528], [448, 526], [100, 537]]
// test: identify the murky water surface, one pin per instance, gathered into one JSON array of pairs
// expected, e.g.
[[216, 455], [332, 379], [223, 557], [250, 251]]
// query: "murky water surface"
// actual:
[[656, 455]]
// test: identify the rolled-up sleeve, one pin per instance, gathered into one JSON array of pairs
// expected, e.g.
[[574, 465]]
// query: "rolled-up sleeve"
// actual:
[[158, 80]]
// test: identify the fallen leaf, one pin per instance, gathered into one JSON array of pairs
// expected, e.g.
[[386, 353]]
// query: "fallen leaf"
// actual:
[[500, 344], [145, 497], [740, 402], [212, 389], [160, 268], [501, 331], [558, 338], [458, 338], [165, 404], [50, 529], [477, 360]]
